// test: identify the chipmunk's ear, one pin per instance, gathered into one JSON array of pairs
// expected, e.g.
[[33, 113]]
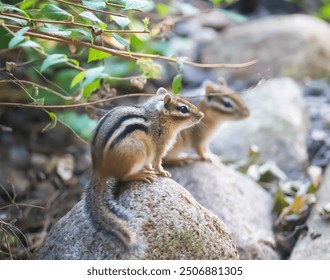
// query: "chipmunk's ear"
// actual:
[[167, 100], [161, 91], [222, 81], [209, 88]]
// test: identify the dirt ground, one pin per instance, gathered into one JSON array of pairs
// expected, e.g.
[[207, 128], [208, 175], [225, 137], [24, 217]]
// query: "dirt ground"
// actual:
[[42, 176]]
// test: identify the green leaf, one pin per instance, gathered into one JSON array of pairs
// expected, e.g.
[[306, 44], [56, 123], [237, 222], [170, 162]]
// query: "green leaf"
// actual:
[[55, 13], [6, 7], [74, 61], [21, 22], [88, 89], [93, 74], [146, 23], [162, 9], [88, 15], [121, 21], [80, 124], [78, 78], [22, 31], [136, 4], [279, 201], [53, 122], [15, 41], [56, 31], [30, 44], [53, 59], [77, 33], [149, 68], [121, 40], [94, 54], [312, 188], [177, 83], [96, 5], [26, 4]]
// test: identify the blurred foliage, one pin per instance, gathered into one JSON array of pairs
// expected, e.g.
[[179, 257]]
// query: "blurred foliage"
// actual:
[[62, 53]]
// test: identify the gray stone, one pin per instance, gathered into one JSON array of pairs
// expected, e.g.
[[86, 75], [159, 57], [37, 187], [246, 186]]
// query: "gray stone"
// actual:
[[315, 245], [169, 223], [242, 204], [278, 125], [295, 45]]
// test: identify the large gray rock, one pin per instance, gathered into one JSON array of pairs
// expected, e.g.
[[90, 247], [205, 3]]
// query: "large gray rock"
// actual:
[[277, 125], [169, 223], [242, 204], [315, 245], [296, 45]]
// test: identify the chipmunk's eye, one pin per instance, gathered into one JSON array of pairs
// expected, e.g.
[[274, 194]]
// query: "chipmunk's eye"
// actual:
[[183, 109], [227, 103]]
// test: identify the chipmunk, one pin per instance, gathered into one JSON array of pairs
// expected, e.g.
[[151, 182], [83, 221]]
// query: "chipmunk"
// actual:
[[219, 103], [129, 143]]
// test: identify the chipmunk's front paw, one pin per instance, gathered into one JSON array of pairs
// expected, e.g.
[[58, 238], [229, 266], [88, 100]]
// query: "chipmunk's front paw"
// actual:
[[212, 158], [164, 173]]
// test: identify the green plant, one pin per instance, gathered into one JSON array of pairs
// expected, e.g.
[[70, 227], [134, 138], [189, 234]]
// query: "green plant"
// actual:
[[67, 54]]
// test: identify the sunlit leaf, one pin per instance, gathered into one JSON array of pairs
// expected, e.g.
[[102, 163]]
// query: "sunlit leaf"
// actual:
[[121, 21], [162, 9], [149, 68], [15, 41], [53, 59], [136, 4], [31, 44], [77, 33], [94, 54], [94, 73], [26, 4], [6, 7], [51, 29], [78, 78], [177, 83], [90, 16], [96, 5], [53, 122], [88, 89], [121, 40], [55, 13]]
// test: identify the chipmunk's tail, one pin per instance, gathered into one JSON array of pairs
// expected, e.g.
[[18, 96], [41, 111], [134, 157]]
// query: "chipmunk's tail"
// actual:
[[106, 214]]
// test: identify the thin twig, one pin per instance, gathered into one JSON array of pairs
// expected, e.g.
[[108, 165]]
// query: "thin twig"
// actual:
[[70, 23], [39, 86], [74, 105], [133, 55], [90, 9]]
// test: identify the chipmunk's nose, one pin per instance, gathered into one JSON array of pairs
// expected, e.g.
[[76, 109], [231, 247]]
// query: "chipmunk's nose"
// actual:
[[200, 115]]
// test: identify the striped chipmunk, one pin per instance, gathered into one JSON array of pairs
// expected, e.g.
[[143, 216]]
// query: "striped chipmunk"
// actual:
[[219, 103], [129, 143]]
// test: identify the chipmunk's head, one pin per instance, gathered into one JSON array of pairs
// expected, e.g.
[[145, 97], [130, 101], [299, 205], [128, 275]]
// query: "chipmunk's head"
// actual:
[[224, 102], [178, 110]]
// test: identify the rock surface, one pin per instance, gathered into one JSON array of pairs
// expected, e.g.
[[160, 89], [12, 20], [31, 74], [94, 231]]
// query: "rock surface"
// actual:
[[238, 201], [296, 45], [315, 245], [277, 125], [169, 223]]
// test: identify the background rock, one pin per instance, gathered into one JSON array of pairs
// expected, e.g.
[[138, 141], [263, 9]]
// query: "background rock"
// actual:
[[238, 201], [169, 223], [277, 125], [296, 45], [315, 245]]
